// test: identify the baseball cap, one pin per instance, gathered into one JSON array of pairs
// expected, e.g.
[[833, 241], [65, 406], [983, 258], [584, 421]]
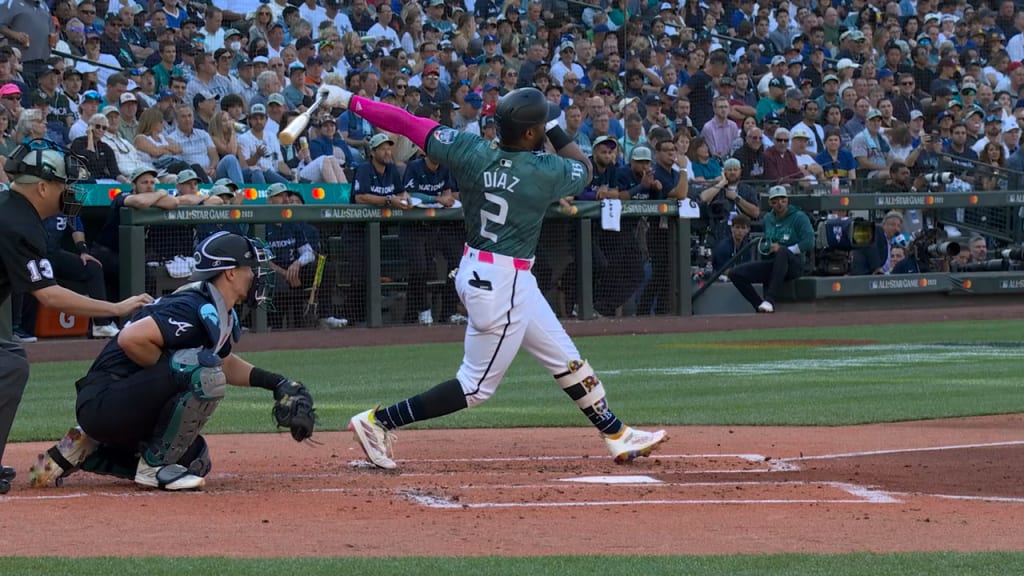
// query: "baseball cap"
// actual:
[[489, 87], [87, 96], [652, 100], [800, 133], [260, 60], [296, 66], [777, 192], [139, 172], [954, 103], [778, 60], [276, 188], [640, 154], [777, 83], [993, 118], [226, 182], [276, 98], [490, 39], [473, 99], [167, 94], [378, 139], [727, 81], [221, 190], [431, 69], [947, 62], [772, 118], [606, 140], [10, 90], [204, 95], [845, 63], [969, 86], [187, 176], [231, 32], [874, 113], [732, 163], [107, 110], [127, 97], [830, 77], [916, 114], [258, 110], [486, 121]]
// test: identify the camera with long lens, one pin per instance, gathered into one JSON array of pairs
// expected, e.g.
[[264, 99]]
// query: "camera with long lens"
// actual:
[[835, 239], [936, 178], [1011, 259], [931, 245]]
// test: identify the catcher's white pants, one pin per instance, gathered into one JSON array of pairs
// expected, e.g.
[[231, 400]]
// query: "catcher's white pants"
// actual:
[[506, 311]]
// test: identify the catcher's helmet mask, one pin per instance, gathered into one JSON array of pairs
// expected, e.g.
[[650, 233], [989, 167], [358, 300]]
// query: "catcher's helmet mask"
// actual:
[[225, 251], [48, 161], [520, 110]]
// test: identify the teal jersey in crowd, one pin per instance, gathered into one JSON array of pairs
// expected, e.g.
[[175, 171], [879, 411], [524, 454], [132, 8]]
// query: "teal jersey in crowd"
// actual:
[[504, 194]]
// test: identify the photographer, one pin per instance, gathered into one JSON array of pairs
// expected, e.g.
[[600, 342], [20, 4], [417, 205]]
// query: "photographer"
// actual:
[[788, 237], [877, 258], [727, 194], [899, 180]]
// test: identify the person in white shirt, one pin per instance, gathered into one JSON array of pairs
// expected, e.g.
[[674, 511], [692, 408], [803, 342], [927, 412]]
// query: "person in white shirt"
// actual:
[[566, 64], [383, 29], [340, 19], [310, 12], [260, 150], [814, 130], [804, 160], [93, 57], [90, 105], [128, 160], [213, 32], [1015, 47], [197, 147]]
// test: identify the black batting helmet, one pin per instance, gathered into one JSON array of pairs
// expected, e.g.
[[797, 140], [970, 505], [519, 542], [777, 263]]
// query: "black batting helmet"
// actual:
[[520, 110]]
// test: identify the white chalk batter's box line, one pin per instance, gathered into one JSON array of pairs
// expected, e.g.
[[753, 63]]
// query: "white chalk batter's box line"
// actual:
[[859, 495]]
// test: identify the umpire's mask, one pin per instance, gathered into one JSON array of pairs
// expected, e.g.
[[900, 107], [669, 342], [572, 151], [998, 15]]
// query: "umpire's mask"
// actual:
[[44, 160], [224, 251]]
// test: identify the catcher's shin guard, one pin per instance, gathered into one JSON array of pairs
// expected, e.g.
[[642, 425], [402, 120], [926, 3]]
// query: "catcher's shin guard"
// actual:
[[186, 414], [583, 386]]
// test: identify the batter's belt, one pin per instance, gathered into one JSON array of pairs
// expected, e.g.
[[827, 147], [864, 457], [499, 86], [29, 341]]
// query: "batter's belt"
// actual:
[[497, 259]]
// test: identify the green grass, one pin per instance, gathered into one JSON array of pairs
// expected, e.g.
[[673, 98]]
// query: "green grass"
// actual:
[[788, 564], [669, 379]]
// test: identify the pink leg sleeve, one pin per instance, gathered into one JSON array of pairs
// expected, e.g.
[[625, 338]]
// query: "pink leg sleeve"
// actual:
[[393, 119]]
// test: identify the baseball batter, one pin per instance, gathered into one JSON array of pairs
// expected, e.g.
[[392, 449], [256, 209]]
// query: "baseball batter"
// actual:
[[506, 189]]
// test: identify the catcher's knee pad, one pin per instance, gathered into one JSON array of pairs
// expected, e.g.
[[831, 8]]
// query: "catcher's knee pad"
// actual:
[[582, 385], [205, 387]]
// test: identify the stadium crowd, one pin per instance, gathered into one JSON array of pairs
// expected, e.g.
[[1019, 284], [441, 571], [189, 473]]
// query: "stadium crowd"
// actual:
[[715, 100]]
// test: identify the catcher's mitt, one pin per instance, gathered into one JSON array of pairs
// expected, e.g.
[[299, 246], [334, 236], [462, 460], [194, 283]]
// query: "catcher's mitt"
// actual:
[[293, 409]]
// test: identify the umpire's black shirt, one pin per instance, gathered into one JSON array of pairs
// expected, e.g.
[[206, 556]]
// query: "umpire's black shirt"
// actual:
[[23, 263]]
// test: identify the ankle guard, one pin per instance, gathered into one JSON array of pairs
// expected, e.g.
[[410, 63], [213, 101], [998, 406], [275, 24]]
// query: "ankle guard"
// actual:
[[583, 386]]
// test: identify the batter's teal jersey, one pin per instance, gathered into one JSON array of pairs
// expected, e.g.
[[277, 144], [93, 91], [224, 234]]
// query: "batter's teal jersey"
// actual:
[[504, 194]]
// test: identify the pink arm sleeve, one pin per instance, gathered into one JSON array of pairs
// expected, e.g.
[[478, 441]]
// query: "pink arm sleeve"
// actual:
[[393, 119]]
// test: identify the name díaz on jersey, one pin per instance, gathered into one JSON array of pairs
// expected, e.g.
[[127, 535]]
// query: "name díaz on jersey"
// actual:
[[503, 180]]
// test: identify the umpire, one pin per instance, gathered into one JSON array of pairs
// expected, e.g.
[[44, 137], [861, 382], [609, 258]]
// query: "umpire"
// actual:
[[42, 185], [143, 403]]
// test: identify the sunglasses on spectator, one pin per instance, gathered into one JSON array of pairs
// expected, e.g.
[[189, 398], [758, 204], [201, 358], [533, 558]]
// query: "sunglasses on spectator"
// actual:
[[604, 92], [100, 128], [782, 139], [400, 87], [12, 97]]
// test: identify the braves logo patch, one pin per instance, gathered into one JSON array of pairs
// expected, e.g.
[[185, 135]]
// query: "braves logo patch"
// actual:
[[445, 135], [181, 326]]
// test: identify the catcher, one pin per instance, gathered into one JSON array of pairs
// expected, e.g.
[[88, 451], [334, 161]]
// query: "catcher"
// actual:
[[143, 403]]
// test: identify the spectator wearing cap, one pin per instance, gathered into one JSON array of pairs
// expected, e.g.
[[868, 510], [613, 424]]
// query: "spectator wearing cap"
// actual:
[[993, 131], [947, 70], [871, 148], [566, 63], [60, 115], [92, 57], [297, 95], [799, 140], [431, 90], [72, 89], [465, 118], [205, 105], [99, 156], [124, 151], [321, 160], [1014, 85], [792, 114], [774, 101], [260, 150], [777, 71], [112, 42], [535, 54], [89, 106], [128, 106]]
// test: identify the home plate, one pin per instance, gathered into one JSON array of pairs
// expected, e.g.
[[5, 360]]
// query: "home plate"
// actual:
[[612, 480]]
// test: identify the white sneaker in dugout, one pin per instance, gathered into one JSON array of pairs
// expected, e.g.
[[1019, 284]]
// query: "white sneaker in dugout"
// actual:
[[766, 307], [170, 477], [426, 318], [458, 319], [107, 331], [632, 443], [332, 322], [374, 439], [61, 459]]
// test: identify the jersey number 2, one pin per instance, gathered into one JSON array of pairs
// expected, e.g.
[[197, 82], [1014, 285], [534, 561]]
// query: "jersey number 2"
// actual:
[[498, 219], [40, 270]]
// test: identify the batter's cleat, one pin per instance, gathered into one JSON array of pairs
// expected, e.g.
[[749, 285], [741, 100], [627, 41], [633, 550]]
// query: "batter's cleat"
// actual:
[[374, 439], [5, 487], [630, 444], [171, 477], [766, 307], [61, 459], [8, 473]]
